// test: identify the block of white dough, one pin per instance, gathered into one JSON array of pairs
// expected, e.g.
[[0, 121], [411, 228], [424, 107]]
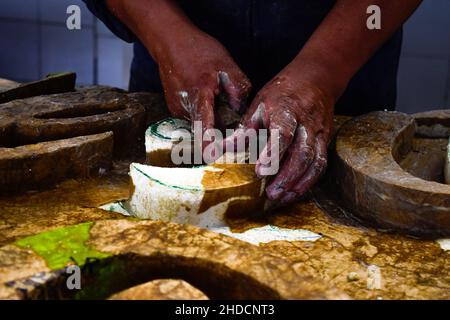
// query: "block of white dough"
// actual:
[[161, 137], [199, 195]]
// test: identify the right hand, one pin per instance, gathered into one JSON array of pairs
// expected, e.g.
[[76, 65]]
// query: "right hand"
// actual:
[[196, 70], [194, 67]]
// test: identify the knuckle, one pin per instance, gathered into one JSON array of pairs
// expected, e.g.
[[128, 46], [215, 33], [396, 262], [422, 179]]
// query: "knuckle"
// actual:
[[321, 162], [308, 153]]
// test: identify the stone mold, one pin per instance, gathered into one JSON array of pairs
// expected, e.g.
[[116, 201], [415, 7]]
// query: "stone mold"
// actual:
[[131, 252], [39, 132], [45, 163], [372, 183]]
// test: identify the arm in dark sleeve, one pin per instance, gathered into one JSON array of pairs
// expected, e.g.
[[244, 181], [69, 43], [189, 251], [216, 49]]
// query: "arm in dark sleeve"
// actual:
[[101, 11]]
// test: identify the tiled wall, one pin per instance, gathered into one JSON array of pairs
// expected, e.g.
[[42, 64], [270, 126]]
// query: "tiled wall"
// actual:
[[424, 74], [35, 41]]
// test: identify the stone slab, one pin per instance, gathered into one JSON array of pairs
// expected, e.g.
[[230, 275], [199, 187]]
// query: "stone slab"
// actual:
[[401, 267], [138, 251], [39, 165], [163, 289], [34, 131]]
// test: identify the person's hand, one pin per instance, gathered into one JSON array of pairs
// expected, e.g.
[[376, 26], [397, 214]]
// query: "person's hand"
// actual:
[[194, 67], [197, 70], [303, 114]]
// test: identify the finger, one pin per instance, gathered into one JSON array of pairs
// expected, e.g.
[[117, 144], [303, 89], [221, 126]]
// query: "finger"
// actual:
[[312, 175], [202, 116], [237, 87], [299, 158], [282, 127], [251, 121]]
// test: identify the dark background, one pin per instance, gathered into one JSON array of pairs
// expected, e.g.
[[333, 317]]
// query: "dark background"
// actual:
[[35, 41]]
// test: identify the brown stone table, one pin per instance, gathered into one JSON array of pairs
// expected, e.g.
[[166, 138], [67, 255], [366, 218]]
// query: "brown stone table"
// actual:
[[344, 259]]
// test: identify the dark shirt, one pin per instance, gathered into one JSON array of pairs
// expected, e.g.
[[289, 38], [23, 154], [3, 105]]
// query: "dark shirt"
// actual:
[[263, 36]]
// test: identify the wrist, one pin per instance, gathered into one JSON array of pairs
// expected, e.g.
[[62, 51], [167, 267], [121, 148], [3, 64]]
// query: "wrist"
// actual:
[[329, 77], [159, 24]]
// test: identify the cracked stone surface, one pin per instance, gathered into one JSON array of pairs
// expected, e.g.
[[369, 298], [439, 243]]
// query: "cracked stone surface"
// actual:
[[408, 268]]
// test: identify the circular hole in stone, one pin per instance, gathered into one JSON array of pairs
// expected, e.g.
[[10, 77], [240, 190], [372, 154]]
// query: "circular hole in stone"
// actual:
[[426, 159], [425, 155], [101, 279]]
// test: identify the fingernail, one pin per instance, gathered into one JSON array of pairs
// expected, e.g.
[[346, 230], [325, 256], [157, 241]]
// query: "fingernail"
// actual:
[[265, 170], [274, 192], [289, 198]]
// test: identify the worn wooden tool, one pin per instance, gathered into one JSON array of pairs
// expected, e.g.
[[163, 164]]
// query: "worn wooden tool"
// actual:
[[53, 83]]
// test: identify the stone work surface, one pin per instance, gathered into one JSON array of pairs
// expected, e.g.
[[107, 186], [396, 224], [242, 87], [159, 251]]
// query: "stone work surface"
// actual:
[[164, 289], [360, 262], [71, 202]]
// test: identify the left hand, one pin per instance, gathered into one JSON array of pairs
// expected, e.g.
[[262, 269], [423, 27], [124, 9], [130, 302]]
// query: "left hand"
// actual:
[[303, 114]]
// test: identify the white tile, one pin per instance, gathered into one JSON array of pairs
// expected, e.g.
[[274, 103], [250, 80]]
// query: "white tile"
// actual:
[[427, 32], [103, 30], [422, 84], [113, 62], [19, 9], [447, 103], [127, 59], [19, 56], [68, 50]]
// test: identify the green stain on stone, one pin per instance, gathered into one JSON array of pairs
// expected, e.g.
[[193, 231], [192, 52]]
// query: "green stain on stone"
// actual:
[[63, 246], [103, 279]]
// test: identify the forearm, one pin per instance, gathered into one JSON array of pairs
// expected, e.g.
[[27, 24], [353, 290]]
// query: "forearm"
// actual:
[[159, 24], [343, 44]]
